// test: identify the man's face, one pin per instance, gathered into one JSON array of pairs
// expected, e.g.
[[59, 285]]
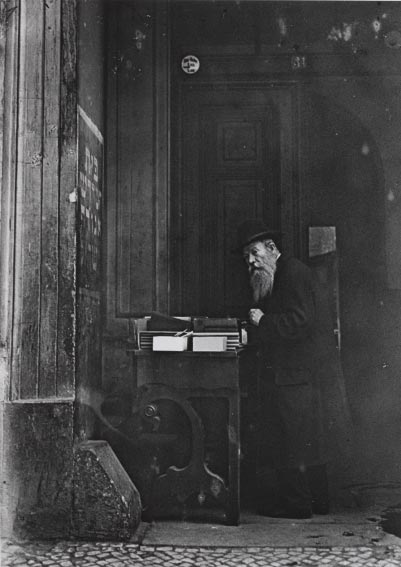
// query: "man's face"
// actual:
[[261, 259], [258, 255]]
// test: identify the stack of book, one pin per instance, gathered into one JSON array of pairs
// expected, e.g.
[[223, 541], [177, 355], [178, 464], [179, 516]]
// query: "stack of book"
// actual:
[[215, 334], [201, 334]]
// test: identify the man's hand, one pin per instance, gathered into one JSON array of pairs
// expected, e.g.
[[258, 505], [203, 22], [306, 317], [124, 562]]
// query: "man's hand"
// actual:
[[255, 316]]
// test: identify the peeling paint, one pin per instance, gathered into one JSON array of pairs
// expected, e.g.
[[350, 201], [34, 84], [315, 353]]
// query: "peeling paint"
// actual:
[[358, 32], [335, 34], [282, 24], [342, 33], [36, 160], [390, 196], [347, 32], [376, 25]]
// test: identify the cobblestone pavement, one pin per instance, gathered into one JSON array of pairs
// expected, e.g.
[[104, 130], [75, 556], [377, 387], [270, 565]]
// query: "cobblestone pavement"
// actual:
[[79, 554]]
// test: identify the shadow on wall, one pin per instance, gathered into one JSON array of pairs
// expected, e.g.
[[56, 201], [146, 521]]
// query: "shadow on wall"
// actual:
[[348, 191]]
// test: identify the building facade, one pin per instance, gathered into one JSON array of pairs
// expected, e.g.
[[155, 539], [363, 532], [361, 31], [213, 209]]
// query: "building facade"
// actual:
[[135, 136]]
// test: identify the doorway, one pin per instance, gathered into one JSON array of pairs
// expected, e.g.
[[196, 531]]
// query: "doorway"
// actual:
[[293, 135], [232, 159]]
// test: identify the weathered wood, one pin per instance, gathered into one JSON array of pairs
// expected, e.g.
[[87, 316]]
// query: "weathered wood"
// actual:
[[111, 171], [138, 155], [50, 202], [3, 43], [135, 196], [43, 334], [162, 155], [138, 131], [90, 218], [29, 201], [68, 161], [129, 169], [88, 363], [7, 227], [132, 184]]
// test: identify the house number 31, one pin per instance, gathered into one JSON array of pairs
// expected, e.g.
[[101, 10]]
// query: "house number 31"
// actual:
[[298, 61]]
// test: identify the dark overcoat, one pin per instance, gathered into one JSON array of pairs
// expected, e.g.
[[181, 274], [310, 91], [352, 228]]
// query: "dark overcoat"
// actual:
[[296, 349]]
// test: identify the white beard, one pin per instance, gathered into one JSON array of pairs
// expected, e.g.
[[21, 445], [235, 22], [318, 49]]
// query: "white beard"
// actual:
[[261, 283], [262, 280]]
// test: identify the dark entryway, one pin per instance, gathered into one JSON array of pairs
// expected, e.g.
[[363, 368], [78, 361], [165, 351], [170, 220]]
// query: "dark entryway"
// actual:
[[232, 159], [284, 120]]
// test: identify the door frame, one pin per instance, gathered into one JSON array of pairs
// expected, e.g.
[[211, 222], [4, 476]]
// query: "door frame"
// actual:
[[290, 206]]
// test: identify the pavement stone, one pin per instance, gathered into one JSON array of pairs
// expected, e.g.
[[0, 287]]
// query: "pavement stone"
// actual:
[[84, 554]]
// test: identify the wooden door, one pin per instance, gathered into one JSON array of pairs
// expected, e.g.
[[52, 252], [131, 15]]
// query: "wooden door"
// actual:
[[233, 160]]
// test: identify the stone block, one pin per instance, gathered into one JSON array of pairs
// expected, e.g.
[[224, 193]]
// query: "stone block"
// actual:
[[106, 503], [37, 463]]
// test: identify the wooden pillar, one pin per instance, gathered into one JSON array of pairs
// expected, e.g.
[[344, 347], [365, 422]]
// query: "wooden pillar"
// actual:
[[44, 305], [38, 141], [9, 26]]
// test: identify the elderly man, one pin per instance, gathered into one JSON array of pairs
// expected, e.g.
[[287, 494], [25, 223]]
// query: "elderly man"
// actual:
[[294, 337]]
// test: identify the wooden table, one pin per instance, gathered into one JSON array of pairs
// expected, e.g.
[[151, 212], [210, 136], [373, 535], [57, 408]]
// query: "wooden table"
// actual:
[[182, 377]]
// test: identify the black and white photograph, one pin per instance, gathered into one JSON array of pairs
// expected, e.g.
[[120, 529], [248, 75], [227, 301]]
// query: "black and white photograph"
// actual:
[[200, 283]]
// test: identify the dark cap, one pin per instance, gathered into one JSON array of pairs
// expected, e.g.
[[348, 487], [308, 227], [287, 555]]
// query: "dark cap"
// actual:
[[255, 230]]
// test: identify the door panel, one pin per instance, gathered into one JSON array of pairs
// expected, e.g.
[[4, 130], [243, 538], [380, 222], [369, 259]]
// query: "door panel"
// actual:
[[232, 163], [236, 200]]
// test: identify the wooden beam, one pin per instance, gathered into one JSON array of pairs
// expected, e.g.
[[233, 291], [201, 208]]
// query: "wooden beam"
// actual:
[[28, 201], [8, 153], [68, 181], [50, 202], [43, 337], [161, 149]]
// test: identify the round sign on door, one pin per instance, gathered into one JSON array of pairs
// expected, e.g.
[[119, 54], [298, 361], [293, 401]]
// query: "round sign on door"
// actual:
[[190, 64]]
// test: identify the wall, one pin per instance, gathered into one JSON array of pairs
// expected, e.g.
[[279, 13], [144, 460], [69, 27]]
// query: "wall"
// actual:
[[42, 340], [342, 61], [38, 468], [136, 248], [38, 265], [90, 212], [52, 332], [352, 183]]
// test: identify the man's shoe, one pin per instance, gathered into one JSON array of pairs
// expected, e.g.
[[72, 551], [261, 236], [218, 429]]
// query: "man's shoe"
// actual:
[[294, 514]]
